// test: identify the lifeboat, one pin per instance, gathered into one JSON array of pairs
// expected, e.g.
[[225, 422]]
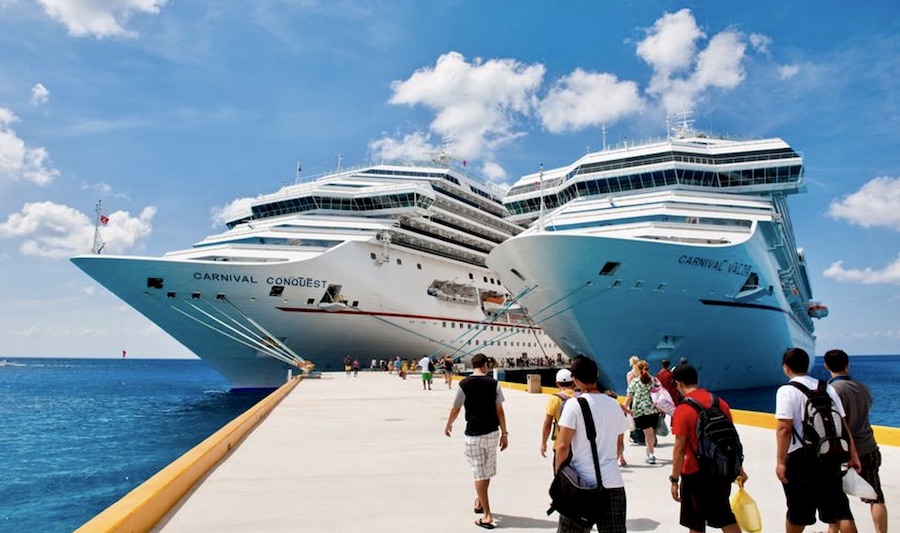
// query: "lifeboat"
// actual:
[[817, 310]]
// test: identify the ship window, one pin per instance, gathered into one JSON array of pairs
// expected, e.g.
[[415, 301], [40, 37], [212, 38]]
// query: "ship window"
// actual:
[[485, 279], [471, 276], [453, 325], [445, 324], [170, 294], [419, 266], [220, 296], [195, 295], [277, 290], [609, 268], [638, 284], [751, 283], [492, 280], [399, 262], [661, 287], [617, 283], [155, 283], [372, 255], [355, 303], [310, 301], [517, 274], [476, 342]]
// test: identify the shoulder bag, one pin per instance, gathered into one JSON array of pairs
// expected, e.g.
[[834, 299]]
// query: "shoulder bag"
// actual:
[[569, 495]]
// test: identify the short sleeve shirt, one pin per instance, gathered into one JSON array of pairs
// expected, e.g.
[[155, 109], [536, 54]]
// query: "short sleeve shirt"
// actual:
[[790, 403], [641, 400], [684, 423], [554, 407], [609, 421]]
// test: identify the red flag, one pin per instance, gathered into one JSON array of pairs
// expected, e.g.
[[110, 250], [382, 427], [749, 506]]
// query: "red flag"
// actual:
[[104, 219]]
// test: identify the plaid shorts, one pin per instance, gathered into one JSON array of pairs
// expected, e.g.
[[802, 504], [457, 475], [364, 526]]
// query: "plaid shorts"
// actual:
[[481, 451], [613, 520], [869, 471]]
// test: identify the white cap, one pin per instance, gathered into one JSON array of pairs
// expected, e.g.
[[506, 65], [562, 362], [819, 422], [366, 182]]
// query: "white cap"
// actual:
[[564, 376]]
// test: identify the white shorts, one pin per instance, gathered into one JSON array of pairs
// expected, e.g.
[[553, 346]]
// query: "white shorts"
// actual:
[[481, 451]]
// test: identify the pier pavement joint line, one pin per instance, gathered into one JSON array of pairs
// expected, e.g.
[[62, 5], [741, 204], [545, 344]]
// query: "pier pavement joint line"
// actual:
[[142, 508]]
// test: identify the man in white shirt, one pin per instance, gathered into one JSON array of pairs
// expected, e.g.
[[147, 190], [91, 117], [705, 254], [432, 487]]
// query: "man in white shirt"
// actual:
[[805, 489], [610, 422], [425, 365]]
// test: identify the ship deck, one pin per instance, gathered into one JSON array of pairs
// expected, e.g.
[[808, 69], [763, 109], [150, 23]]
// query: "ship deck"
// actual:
[[368, 453]]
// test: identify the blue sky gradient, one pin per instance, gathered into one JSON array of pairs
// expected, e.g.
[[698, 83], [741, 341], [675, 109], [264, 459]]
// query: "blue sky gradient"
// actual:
[[170, 112]]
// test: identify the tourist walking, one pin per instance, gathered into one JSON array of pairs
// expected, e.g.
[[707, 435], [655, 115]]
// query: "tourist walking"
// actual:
[[665, 378], [426, 365], [808, 484], [482, 399], [572, 445], [639, 402], [553, 409], [703, 495], [447, 364], [857, 401]]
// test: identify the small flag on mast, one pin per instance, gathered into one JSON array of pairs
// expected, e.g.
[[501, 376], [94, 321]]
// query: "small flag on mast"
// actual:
[[104, 219]]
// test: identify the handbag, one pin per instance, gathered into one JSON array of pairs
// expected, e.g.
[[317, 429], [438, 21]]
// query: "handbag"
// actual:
[[569, 495], [662, 400]]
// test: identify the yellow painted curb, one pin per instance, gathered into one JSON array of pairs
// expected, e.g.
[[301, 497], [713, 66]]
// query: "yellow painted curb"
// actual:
[[148, 503]]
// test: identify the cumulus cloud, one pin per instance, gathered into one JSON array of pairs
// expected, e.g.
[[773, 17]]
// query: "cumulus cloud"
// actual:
[[584, 99], [760, 42], [682, 72], [19, 161], [237, 208], [414, 146], [868, 276], [39, 95], [53, 230], [108, 18], [877, 203], [493, 171], [787, 72], [477, 104]]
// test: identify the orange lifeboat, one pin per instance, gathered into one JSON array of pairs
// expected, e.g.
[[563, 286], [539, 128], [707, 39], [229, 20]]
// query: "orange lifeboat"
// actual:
[[817, 310]]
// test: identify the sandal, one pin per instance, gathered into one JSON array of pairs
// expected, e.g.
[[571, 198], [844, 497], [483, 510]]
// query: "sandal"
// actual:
[[485, 525]]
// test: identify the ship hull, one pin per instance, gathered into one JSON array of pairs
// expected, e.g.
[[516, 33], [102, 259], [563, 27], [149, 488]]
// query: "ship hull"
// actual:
[[210, 308], [663, 300]]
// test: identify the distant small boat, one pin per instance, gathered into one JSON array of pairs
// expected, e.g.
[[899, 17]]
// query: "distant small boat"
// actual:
[[4, 362]]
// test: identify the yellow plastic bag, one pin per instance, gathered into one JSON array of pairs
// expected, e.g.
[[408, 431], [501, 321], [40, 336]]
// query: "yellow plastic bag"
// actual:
[[745, 510]]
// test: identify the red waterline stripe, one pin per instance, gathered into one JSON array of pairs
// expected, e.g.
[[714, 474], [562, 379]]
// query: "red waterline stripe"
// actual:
[[399, 315]]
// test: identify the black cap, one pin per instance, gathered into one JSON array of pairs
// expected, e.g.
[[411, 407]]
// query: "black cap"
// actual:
[[685, 374]]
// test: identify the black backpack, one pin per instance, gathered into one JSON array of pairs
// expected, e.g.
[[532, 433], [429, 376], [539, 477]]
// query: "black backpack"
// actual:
[[719, 451], [823, 438]]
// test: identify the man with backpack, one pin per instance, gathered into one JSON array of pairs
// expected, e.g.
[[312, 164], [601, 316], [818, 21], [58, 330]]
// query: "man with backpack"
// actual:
[[812, 443], [554, 407], [707, 457], [857, 401]]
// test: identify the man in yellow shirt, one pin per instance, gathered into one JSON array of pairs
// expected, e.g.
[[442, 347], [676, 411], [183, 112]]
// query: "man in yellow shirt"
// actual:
[[566, 384]]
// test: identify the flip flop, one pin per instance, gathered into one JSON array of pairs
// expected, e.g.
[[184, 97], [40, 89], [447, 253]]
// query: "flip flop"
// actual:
[[485, 525], [478, 510]]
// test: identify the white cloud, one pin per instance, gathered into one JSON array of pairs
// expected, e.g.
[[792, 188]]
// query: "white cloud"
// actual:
[[584, 99], [681, 74], [98, 18], [493, 171], [39, 95], [760, 42], [57, 231], [477, 104], [414, 146], [867, 276], [787, 72], [877, 203], [237, 208], [19, 161]]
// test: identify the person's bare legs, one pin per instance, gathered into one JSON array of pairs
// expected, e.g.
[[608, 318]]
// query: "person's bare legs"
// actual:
[[649, 437], [481, 492], [792, 528], [879, 517]]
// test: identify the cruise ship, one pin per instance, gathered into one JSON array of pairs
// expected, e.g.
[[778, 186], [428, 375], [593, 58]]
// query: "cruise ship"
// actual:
[[678, 248], [376, 262]]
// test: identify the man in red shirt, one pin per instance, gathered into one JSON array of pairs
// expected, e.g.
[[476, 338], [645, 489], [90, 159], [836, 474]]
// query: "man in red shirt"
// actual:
[[665, 378], [704, 501]]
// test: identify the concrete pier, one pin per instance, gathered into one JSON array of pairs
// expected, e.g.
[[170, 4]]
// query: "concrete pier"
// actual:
[[368, 454]]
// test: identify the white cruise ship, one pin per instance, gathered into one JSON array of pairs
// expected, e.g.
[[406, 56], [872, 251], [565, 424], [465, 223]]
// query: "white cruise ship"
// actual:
[[681, 248], [374, 262]]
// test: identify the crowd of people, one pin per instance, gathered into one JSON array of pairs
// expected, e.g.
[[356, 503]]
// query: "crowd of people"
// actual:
[[707, 455]]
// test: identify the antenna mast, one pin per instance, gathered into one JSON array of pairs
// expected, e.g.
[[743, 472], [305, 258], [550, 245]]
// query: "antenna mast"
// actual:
[[541, 175], [100, 219]]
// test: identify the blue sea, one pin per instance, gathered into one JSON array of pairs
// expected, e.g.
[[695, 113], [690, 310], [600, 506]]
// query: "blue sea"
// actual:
[[78, 434]]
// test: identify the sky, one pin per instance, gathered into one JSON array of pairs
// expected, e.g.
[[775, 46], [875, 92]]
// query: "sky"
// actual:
[[173, 112]]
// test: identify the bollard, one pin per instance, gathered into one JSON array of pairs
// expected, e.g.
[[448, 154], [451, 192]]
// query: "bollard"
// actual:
[[533, 383]]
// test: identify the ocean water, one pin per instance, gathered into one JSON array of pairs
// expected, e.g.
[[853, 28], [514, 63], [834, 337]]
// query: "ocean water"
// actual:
[[78, 434]]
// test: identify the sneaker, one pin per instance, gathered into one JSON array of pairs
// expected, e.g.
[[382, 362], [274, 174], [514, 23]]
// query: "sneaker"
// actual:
[[650, 460]]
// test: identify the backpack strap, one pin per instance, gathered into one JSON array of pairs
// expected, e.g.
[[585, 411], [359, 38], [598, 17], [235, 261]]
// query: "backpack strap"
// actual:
[[820, 387], [591, 435], [699, 408]]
